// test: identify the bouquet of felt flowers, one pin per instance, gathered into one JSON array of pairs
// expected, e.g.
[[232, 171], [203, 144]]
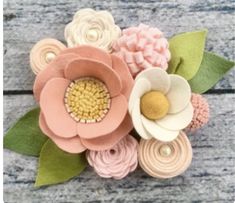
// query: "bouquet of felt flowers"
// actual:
[[115, 99]]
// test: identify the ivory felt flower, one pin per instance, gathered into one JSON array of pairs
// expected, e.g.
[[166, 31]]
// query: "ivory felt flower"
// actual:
[[160, 104], [96, 28], [83, 95], [116, 162]]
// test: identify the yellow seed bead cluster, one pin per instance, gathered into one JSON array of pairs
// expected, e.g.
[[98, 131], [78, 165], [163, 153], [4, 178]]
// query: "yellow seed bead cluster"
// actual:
[[87, 100]]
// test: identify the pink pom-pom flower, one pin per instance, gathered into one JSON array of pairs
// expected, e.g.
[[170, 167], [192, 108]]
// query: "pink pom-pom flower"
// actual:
[[116, 162], [143, 47], [201, 112]]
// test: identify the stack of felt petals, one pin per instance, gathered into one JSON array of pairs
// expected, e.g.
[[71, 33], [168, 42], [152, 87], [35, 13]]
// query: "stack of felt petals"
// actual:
[[115, 99]]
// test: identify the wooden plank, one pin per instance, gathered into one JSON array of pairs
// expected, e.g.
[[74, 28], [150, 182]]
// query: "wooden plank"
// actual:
[[210, 178], [27, 21]]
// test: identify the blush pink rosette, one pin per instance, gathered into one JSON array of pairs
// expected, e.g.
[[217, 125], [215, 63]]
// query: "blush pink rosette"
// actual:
[[116, 162], [50, 90]]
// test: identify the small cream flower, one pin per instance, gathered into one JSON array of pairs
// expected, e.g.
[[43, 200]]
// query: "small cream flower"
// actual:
[[90, 27]]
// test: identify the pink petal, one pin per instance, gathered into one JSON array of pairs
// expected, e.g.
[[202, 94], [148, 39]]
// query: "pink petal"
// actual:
[[86, 67], [127, 81], [71, 145], [109, 140], [109, 123], [53, 108]]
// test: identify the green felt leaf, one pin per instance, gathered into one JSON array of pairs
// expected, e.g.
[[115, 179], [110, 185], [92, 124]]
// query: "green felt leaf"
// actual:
[[25, 137], [57, 166], [212, 69], [186, 53]]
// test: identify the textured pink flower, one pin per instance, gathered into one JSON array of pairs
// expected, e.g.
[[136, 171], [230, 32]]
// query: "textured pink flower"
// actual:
[[143, 47], [200, 114], [116, 162]]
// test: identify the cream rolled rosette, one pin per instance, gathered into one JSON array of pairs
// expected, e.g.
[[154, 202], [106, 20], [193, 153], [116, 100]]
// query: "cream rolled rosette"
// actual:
[[90, 27]]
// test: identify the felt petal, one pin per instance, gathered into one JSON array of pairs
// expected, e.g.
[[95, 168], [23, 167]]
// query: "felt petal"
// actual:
[[92, 53], [140, 88], [53, 70], [137, 122], [158, 78], [71, 145], [177, 121], [89, 68], [121, 68], [53, 108], [179, 94], [158, 132], [109, 140], [110, 122]]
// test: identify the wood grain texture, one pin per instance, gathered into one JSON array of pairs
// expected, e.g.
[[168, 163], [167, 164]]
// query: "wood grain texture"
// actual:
[[210, 178], [28, 21]]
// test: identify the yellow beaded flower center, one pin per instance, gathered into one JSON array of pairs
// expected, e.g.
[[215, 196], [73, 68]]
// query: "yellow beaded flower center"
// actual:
[[87, 100]]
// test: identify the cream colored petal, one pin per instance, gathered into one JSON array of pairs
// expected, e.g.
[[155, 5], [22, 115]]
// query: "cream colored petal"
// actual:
[[137, 122], [141, 86], [158, 78], [158, 132], [177, 121], [179, 94]]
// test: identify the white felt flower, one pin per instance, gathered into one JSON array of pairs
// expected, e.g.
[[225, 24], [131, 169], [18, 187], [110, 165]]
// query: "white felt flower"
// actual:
[[96, 28], [160, 104]]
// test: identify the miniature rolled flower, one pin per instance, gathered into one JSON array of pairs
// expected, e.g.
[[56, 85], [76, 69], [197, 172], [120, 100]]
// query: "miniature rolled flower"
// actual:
[[143, 47], [160, 104], [83, 95], [165, 160], [116, 162], [90, 27], [200, 114]]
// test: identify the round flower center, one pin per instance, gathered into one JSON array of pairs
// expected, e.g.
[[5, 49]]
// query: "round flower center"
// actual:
[[87, 100], [92, 35], [50, 56], [165, 150], [154, 105]]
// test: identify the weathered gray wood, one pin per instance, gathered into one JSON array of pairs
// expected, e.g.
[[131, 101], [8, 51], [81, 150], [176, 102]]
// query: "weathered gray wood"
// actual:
[[27, 21], [210, 178]]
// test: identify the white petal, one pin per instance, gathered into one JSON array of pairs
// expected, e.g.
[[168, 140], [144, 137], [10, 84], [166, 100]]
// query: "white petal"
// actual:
[[177, 121], [141, 86], [137, 122], [158, 132], [159, 79], [179, 94]]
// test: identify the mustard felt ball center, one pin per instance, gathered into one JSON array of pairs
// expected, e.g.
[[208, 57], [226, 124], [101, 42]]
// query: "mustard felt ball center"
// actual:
[[154, 105]]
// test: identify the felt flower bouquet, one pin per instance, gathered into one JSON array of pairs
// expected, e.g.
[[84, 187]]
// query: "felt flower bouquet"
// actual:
[[115, 99]]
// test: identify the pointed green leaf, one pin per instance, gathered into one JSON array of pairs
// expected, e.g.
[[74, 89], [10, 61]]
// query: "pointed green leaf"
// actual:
[[186, 53], [57, 166], [212, 69], [25, 137]]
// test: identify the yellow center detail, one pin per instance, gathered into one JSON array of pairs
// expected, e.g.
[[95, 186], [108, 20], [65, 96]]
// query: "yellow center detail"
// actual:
[[154, 105], [87, 100]]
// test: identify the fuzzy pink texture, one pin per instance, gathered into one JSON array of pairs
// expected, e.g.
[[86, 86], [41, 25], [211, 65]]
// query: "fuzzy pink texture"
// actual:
[[201, 112], [143, 47], [116, 162]]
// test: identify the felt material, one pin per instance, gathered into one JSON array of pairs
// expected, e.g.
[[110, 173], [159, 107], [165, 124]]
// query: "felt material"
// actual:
[[187, 53], [53, 108], [177, 121], [212, 69], [179, 94], [159, 132], [57, 166], [158, 78], [71, 145], [84, 68], [110, 122], [109, 140], [25, 137]]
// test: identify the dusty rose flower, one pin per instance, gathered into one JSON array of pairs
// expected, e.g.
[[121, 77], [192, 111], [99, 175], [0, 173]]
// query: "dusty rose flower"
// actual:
[[116, 162]]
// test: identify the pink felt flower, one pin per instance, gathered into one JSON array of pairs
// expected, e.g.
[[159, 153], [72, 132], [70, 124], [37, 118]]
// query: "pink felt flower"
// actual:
[[83, 95], [143, 47], [116, 162]]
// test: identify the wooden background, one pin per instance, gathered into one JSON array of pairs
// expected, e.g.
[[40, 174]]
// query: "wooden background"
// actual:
[[210, 178]]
